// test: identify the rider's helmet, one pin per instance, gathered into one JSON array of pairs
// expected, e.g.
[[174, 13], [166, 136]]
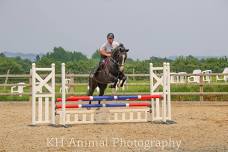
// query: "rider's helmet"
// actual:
[[110, 35]]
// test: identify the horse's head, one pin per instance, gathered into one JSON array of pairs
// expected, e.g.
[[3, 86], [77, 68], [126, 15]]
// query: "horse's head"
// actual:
[[119, 54]]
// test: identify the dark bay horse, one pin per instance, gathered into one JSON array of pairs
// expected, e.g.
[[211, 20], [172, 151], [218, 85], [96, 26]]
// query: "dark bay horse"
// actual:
[[111, 71]]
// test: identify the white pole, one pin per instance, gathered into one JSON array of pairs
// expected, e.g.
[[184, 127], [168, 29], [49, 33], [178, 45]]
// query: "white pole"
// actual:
[[33, 94], [53, 95], [152, 108], [63, 94], [164, 92], [168, 92]]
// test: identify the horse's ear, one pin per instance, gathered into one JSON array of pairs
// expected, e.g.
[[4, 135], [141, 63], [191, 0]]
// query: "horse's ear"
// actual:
[[121, 45]]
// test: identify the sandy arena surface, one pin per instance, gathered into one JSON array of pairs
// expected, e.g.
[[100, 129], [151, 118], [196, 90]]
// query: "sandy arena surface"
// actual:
[[199, 127]]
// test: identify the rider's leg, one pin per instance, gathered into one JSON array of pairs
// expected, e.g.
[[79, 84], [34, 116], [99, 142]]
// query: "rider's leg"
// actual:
[[97, 68]]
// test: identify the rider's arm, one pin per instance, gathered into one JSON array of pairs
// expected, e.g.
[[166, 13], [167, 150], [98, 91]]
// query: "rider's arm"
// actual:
[[104, 53]]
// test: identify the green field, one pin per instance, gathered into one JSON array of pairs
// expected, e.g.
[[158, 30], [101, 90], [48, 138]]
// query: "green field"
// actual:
[[82, 90]]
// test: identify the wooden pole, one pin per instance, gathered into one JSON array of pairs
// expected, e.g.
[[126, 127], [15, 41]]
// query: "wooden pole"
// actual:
[[71, 88], [201, 87], [30, 85], [7, 77]]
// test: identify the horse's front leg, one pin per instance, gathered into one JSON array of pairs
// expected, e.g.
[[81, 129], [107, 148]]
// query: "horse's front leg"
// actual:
[[114, 84], [114, 79], [92, 86], [124, 78]]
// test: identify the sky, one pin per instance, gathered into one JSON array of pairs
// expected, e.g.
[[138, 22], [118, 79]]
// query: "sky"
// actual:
[[160, 28]]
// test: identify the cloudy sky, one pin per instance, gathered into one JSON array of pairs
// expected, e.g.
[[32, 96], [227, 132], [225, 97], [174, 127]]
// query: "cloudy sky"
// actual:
[[146, 27]]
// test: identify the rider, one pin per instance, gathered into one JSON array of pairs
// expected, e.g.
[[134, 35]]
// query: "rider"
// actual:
[[106, 49]]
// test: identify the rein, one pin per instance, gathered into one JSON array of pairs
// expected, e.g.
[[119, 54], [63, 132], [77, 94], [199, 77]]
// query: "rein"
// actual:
[[112, 60], [116, 63]]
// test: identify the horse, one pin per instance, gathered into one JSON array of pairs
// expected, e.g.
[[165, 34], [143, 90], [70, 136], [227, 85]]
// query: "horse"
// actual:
[[111, 71]]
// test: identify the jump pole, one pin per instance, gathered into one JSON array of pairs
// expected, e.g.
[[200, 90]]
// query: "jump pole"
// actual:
[[164, 101], [105, 105], [151, 92], [63, 77], [109, 98]]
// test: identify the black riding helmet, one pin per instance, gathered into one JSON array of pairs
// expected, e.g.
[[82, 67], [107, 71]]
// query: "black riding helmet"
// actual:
[[110, 35]]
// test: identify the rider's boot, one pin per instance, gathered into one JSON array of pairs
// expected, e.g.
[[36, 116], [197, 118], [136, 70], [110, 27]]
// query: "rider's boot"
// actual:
[[96, 71]]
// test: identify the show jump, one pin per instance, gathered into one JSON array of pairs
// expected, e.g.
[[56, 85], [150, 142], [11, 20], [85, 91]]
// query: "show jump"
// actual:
[[46, 109]]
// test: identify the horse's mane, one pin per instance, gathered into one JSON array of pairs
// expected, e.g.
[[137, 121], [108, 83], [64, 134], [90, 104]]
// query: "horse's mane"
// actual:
[[117, 49]]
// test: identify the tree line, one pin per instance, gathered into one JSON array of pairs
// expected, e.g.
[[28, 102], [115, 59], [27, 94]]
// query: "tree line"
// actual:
[[77, 62]]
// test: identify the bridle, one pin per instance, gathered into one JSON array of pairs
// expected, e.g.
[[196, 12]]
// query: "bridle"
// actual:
[[117, 63]]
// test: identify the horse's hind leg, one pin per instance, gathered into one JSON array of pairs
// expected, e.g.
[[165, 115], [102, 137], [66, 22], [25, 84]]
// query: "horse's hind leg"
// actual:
[[92, 87], [102, 90]]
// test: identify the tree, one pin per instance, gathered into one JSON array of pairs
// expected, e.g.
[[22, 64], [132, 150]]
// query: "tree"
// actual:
[[2, 55], [60, 55], [96, 55], [16, 65]]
